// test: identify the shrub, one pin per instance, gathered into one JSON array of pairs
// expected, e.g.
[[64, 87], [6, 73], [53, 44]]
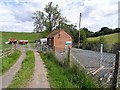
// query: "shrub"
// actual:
[[95, 45], [116, 47]]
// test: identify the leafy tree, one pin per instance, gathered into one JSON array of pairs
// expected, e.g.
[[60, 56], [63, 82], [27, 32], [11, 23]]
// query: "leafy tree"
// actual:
[[105, 30], [48, 19], [116, 30], [87, 32], [39, 21], [82, 35], [71, 30]]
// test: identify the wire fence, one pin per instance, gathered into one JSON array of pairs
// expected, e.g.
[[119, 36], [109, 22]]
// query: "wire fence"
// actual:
[[5, 52], [101, 66]]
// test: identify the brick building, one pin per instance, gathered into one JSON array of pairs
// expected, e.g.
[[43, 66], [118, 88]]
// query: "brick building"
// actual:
[[58, 39]]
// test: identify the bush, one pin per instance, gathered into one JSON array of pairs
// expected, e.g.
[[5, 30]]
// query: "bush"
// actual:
[[116, 47], [96, 45]]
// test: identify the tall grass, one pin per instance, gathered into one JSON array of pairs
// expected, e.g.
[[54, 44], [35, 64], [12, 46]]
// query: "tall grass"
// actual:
[[65, 77], [8, 61], [25, 73]]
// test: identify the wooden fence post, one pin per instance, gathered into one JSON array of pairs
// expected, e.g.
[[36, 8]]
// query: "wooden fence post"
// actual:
[[116, 73], [68, 55]]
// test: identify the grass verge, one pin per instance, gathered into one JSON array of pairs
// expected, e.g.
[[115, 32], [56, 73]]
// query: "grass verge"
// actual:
[[25, 73], [8, 61], [65, 77]]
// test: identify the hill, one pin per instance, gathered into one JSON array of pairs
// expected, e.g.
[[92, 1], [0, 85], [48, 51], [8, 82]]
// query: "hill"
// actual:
[[110, 39], [19, 36]]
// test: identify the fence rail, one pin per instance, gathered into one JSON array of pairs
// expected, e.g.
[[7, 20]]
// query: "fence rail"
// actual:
[[5, 52]]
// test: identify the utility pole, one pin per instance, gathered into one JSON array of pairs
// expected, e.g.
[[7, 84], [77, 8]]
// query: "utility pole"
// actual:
[[79, 30]]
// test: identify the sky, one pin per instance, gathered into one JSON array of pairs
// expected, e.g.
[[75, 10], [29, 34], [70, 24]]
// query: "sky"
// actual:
[[16, 15]]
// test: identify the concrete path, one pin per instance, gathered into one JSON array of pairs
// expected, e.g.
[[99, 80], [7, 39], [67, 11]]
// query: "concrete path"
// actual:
[[39, 79], [8, 76]]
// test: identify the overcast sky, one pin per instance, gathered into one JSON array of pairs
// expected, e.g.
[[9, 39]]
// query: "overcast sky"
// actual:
[[15, 15]]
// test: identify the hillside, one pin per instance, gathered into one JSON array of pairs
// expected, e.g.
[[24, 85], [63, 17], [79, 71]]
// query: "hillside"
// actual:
[[19, 36], [110, 39]]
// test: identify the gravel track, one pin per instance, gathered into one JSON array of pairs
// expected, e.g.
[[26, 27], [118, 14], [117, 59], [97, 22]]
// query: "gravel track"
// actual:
[[8, 76], [39, 79]]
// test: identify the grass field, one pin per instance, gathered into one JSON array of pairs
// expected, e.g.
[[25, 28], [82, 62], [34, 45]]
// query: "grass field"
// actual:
[[19, 36], [110, 39], [64, 77], [24, 75], [8, 61]]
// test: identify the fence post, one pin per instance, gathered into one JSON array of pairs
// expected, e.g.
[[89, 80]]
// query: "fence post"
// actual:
[[116, 73], [68, 55]]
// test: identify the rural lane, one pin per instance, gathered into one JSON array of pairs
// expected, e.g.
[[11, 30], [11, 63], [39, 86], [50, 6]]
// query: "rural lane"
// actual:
[[39, 79], [8, 76]]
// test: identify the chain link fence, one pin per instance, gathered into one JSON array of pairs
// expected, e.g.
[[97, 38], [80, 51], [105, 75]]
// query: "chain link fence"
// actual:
[[98, 64]]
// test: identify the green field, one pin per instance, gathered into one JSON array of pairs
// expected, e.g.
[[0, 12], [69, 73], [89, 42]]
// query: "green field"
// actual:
[[110, 39], [31, 37]]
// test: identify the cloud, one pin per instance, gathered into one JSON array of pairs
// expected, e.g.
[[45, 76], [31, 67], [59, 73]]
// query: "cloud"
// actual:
[[16, 14]]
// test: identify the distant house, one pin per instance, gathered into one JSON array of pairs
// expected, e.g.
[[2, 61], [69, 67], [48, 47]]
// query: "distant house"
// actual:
[[58, 39]]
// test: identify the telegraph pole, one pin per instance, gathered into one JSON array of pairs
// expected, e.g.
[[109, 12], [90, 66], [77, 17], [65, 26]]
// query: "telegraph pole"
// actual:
[[79, 30]]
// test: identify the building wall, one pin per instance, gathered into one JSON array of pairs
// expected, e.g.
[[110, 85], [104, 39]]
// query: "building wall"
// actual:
[[60, 39]]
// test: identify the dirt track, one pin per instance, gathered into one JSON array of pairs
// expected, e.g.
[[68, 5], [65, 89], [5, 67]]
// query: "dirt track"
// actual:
[[39, 79], [8, 76]]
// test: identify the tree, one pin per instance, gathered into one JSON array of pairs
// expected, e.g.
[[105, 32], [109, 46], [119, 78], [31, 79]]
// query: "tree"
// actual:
[[87, 32], [116, 30], [71, 30], [39, 21], [105, 30], [49, 19], [82, 36]]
